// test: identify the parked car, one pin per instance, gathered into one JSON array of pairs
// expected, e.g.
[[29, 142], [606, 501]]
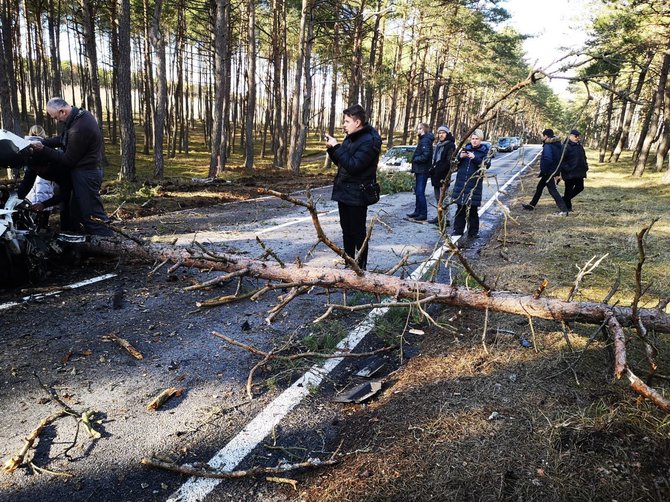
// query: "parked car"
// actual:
[[505, 144], [397, 158], [516, 142]]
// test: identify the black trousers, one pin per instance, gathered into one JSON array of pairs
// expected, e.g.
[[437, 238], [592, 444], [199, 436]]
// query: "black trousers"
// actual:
[[469, 213], [85, 203], [352, 221], [547, 180], [572, 189]]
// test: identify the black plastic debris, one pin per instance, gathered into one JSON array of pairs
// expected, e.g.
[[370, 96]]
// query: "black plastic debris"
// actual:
[[372, 366], [360, 393]]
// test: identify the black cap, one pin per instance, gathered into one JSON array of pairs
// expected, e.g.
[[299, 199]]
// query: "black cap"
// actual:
[[549, 133], [575, 132]]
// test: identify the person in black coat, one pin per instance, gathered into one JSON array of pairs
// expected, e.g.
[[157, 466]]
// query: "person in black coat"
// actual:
[[439, 172], [421, 163], [552, 151], [473, 162], [79, 157], [356, 160], [574, 167]]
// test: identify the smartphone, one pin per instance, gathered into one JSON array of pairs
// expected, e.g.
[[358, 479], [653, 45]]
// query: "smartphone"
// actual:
[[326, 137]]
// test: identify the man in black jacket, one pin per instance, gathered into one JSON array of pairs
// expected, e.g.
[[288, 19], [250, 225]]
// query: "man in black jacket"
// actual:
[[81, 143], [356, 160], [552, 151], [574, 168], [421, 162]]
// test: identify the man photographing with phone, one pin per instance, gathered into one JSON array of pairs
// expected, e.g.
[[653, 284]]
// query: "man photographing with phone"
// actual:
[[356, 160]]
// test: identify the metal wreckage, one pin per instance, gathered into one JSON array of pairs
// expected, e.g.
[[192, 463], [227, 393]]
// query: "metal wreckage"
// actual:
[[25, 247]]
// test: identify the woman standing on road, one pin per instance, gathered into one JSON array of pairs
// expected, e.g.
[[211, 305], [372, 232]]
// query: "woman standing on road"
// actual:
[[472, 165], [356, 160]]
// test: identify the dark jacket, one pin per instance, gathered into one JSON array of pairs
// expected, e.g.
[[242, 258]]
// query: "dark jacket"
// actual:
[[552, 149], [55, 175], [468, 186], [423, 155], [356, 160], [574, 164], [441, 161], [81, 141]]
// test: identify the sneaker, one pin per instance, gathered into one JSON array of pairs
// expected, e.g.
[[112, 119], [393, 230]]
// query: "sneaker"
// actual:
[[562, 213], [527, 207]]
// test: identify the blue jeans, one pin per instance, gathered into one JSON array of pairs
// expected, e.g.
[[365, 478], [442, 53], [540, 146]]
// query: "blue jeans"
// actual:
[[421, 206]]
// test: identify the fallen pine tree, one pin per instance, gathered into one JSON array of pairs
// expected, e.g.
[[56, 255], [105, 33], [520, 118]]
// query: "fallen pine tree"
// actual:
[[528, 305]]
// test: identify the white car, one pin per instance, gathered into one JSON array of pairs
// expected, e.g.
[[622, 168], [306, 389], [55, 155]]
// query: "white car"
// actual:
[[397, 159]]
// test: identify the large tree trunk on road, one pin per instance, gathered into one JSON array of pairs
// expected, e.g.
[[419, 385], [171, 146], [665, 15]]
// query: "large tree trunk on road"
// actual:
[[498, 301]]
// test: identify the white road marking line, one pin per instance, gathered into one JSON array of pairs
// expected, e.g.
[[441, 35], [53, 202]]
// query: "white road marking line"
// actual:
[[196, 489], [39, 296]]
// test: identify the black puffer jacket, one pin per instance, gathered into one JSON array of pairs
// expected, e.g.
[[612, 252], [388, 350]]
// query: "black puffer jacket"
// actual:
[[442, 161], [81, 142], [356, 160], [469, 184], [574, 164], [423, 155], [552, 150]]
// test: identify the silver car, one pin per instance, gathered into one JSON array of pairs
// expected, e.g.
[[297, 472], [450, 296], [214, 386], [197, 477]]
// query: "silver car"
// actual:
[[397, 159]]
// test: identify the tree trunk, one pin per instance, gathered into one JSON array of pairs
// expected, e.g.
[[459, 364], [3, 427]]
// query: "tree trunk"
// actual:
[[303, 83], [643, 155], [88, 17], [356, 72], [220, 31], [278, 134], [125, 103], [380, 284], [396, 83], [604, 143], [334, 77], [251, 87], [158, 43], [147, 83]]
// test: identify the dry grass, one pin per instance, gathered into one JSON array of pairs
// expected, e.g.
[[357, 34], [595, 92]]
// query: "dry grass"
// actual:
[[513, 422], [612, 208]]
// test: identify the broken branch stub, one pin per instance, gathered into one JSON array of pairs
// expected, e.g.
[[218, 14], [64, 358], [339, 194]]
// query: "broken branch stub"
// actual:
[[380, 284]]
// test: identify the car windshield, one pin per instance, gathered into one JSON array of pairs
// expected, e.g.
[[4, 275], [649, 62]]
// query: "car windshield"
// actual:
[[399, 153], [504, 141]]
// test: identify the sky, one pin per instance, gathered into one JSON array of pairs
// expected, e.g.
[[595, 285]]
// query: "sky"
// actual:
[[555, 27]]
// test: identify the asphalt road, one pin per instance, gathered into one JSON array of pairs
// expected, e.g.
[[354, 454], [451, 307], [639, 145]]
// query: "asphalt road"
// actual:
[[60, 339]]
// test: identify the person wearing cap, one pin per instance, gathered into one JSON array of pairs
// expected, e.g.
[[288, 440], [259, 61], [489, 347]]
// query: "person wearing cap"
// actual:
[[421, 162], [552, 151], [472, 164], [574, 167], [439, 171]]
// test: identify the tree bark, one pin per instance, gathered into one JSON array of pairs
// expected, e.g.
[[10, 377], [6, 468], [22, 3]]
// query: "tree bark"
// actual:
[[128, 139], [158, 43], [649, 138], [251, 87], [220, 37], [303, 84], [498, 301], [88, 17]]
